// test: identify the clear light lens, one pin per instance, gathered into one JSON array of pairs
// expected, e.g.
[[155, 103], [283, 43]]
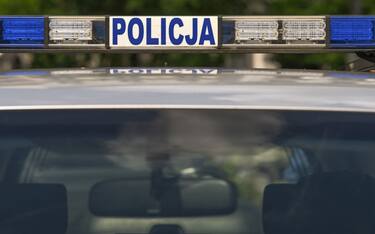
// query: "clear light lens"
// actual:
[[304, 35], [257, 25], [256, 35], [69, 34], [60, 24], [304, 24], [77, 31], [274, 31], [304, 30], [256, 30]]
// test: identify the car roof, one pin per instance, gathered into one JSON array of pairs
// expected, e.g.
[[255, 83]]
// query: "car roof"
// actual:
[[187, 88]]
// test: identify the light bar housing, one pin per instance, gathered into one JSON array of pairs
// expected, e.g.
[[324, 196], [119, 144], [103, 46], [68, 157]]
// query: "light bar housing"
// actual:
[[75, 31], [211, 34], [274, 32]]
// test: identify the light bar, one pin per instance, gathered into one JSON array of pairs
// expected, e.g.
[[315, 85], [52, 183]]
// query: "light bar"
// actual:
[[129, 34], [77, 31]]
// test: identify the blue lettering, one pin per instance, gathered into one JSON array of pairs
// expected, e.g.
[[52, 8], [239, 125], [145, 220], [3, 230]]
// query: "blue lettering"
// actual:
[[207, 33], [163, 31], [150, 40], [180, 38], [136, 71], [136, 40], [193, 39], [118, 27]]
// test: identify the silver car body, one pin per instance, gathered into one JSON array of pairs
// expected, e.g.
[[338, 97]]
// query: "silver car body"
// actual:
[[196, 88]]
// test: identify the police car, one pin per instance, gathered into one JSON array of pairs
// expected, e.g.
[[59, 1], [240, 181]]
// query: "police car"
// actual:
[[187, 150]]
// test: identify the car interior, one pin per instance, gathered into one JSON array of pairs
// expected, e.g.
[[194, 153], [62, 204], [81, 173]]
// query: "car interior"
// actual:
[[111, 180]]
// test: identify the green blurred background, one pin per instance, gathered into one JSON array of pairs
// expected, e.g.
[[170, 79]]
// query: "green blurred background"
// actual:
[[180, 7]]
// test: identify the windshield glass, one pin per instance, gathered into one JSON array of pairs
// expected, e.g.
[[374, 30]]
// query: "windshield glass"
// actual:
[[186, 171]]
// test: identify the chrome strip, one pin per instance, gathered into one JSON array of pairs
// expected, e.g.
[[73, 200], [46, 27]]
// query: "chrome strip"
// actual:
[[199, 107]]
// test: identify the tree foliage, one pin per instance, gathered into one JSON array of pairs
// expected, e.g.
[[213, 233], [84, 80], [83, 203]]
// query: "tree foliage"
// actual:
[[179, 7]]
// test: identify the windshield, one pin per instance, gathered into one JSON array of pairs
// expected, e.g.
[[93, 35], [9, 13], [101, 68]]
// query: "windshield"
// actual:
[[186, 171]]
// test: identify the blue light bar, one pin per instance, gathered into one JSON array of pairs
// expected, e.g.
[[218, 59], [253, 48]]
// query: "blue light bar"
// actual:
[[22, 32], [127, 34], [352, 32]]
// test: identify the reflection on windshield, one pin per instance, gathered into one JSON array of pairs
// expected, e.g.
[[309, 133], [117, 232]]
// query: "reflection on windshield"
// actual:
[[187, 172]]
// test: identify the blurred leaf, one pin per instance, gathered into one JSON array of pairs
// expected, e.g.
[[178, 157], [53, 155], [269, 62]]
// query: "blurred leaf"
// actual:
[[182, 7]]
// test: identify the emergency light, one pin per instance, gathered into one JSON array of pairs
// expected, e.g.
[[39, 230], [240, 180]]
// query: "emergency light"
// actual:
[[277, 34], [274, 32], [20, 32], [76, 31]]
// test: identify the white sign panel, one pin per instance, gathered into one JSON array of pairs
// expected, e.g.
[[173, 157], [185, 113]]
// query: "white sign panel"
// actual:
[[157, 32]]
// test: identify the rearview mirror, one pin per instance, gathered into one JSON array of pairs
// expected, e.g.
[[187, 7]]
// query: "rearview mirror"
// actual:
[[185, 197]]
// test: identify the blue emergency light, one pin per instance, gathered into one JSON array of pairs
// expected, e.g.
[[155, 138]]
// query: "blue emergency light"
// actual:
[[22, 32], [352, 32], [190, 33]]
